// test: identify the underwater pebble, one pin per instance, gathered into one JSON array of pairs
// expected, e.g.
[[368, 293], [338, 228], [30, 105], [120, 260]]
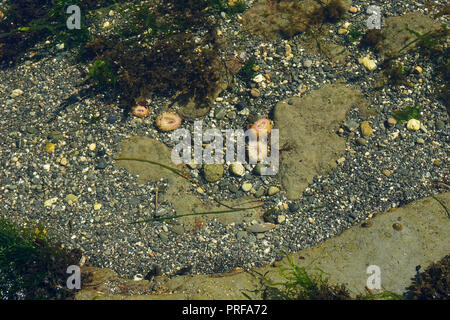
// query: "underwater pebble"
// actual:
[[238, 169], [413, 124], [247, 186]]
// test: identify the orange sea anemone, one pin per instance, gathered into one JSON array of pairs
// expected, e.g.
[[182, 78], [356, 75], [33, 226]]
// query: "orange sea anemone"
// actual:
[[262, 127], [140, 111]]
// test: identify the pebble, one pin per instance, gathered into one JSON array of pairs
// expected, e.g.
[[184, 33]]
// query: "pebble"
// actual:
[[259, 78], [437, 162], [308, 63], [15, 93], [260, 227], [246, 186], [255, 92], [418, 69], [366, 129], [50, 202], [420, 141], [112, 118], [92, 146], [397, 227], [387, 172], [353, 9], [368, 63], [49, 147], [391, 122], [213, 172], [273, 190], [413, 124], [71, 198], [342, 31], [237, 169], [362, 141], [260, 192], [293, 207], [97, 206], [281, 218]]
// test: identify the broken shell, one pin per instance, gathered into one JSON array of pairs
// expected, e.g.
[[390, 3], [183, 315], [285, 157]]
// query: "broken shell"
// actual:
[[168, 121]]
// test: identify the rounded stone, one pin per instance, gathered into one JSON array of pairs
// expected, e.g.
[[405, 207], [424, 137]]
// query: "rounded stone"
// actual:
[[237, 169], [273, 190], [247, 186], [213, 172], [366, 129], [391, 122], [413, 124]]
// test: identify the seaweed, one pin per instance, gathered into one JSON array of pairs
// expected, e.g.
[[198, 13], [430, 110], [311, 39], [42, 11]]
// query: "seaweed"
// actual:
[[247, 71], [373, 38], [433, 283], [407, 113]]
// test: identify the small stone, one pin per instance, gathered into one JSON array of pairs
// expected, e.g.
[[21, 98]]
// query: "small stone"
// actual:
[[353, 9], [397, 227], [212, 172], [281, 218], [15, 93], [342, 31], [92, 146], [60, 46], [138, 277], [97, 206], [237, 169], [259, 78], [178, 229], [220, 113], [368, 63], [50, 202], [260, 192], [255, 92], [366, 129], [418, 69], [362, 141], [70, 198], [341, 160], [106, 25], [308, 63], [440, 125], [420, 141], [413, 124], [63, 162], [293, 207], [387, 172], [437, 162], [246, 186], [112, 118], [311, 220], [273, 190], [260, 227], [49, 147], [200, 190], [391, 122]]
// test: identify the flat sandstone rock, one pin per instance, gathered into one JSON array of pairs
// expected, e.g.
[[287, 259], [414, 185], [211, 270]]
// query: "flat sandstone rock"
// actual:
[[308, 126]]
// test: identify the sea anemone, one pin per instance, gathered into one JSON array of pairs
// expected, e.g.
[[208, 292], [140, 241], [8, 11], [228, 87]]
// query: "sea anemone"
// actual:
[[168, 121], [261, 127], [140, 111]]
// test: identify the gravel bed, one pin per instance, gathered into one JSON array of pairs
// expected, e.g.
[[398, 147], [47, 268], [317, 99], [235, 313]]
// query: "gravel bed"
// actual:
[[379, 172]]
